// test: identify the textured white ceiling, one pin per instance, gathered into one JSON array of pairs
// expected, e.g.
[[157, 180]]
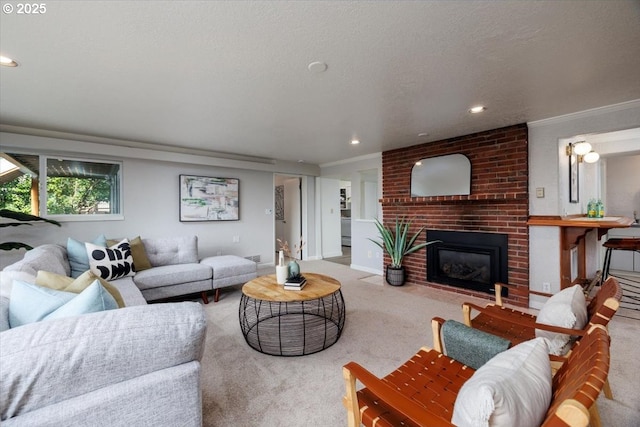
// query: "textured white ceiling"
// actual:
[[232, 76]]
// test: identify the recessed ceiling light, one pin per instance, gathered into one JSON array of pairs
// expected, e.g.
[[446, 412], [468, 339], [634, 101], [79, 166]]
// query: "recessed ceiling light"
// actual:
[[7, 62], [418, 163], [477, 109], [355, 142]]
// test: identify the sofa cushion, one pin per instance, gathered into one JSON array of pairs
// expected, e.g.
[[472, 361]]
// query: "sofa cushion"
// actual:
[[131, 294], [32, 303], [113, 262], [171, 275], [173, 250], [77, 253], [225, 266], [45, 257], [567, 309], [47, 363], [4, 314], [77, 285], [511, 389], [140, 259]]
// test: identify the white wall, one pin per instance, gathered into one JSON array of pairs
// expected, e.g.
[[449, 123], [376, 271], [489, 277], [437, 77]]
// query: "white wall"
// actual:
[[365, 255], [548, 169], [328, 190], [623, 185]]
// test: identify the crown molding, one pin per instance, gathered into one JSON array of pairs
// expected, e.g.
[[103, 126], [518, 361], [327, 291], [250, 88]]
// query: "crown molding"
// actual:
[[586, 113]]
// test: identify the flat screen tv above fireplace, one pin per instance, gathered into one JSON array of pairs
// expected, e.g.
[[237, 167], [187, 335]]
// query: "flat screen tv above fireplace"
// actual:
[[469, 260]]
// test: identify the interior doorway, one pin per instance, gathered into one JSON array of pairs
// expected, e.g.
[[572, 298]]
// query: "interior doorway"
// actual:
[[288, 212]]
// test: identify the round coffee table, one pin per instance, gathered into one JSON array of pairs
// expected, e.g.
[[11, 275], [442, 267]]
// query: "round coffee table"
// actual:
[[292, 323]]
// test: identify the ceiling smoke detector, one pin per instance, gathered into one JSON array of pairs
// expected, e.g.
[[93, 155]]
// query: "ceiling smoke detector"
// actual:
[[317, 67]]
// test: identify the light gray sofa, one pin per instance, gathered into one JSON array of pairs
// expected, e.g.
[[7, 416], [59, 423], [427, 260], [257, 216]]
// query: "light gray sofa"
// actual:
[[175, 270], [134, 366]]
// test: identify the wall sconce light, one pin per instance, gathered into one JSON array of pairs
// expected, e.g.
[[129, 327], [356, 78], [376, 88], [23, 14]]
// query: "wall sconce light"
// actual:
[[583, 151]]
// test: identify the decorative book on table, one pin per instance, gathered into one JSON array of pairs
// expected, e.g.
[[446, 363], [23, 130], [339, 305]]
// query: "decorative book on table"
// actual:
[[295, 283]]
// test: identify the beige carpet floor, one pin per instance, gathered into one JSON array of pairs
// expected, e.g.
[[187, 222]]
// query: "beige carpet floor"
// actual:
[[384, 326]]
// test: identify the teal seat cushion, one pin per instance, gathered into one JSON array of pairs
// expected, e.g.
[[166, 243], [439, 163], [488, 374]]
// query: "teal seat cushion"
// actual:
[[77, 254], [470, 346], [32, 303]]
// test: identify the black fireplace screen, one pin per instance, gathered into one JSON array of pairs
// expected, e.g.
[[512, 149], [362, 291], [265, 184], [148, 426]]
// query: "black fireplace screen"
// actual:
[[468, 266], [468, 260]]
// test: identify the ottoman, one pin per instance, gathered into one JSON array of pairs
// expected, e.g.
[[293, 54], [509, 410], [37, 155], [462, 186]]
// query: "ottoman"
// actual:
[[230, 270]]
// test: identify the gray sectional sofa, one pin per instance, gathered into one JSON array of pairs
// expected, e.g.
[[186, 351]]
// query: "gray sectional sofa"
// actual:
[[175, 270], [134, 366]]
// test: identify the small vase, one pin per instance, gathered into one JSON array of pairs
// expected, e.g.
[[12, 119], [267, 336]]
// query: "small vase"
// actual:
[[282, 272], [294, 268]]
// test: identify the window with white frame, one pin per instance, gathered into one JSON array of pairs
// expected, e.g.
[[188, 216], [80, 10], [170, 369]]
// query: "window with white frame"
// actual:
[[67, 188]]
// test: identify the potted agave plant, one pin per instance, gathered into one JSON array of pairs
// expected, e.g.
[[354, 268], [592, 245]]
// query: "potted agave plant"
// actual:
[[396, 242]]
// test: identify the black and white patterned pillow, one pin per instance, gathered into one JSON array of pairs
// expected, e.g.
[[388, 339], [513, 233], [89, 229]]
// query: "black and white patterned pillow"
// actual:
[[113, 262]]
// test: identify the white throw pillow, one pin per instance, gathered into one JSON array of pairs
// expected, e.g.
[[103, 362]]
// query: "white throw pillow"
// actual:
[[113, 262], [511, 389], [567, 309]]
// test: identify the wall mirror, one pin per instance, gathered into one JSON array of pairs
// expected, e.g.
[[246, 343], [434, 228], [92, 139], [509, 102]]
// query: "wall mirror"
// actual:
[[441, 176]]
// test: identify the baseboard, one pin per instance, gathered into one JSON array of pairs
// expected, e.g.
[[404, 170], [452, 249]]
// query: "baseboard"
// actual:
[[366, 269], [332, 254]]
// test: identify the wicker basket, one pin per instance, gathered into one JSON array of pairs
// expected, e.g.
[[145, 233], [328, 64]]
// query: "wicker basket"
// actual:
[[395, 276]]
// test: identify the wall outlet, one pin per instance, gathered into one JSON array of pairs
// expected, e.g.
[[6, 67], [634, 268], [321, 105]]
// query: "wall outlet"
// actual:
[[546, 287], [236, 239]]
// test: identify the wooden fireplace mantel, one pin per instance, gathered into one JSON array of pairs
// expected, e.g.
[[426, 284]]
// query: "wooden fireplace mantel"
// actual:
[[573, 229]]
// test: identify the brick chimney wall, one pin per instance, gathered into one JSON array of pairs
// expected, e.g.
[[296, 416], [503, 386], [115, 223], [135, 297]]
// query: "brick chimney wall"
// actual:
[[498, 203]]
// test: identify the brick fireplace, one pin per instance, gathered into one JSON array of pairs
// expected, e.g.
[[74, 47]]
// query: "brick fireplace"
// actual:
[[498, 202]]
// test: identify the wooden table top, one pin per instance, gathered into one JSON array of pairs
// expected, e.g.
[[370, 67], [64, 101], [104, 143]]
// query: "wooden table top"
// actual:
[[581, 221], [265, 288]]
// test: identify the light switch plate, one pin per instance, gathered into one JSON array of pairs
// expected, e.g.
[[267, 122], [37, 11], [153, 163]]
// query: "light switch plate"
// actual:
[[540, 192]]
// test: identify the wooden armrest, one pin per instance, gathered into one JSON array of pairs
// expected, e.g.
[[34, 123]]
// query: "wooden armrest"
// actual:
[[467, 307], [436, 326], [393, 398]]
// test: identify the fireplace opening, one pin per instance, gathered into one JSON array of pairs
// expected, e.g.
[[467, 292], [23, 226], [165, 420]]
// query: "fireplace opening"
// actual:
[[468, 260]]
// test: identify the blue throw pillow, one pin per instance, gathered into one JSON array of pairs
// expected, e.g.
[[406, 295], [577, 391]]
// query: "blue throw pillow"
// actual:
[[93, 299], [77, 254], [32, 303]]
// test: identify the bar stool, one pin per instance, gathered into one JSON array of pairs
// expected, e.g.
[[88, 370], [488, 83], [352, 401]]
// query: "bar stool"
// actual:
[[617, 244]]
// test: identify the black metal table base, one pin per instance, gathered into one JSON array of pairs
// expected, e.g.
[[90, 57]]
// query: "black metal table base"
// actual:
[[293, 328]]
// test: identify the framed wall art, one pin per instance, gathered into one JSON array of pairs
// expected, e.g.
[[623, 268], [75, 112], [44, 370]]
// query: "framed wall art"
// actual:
[[209, 199], [573, 178]]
